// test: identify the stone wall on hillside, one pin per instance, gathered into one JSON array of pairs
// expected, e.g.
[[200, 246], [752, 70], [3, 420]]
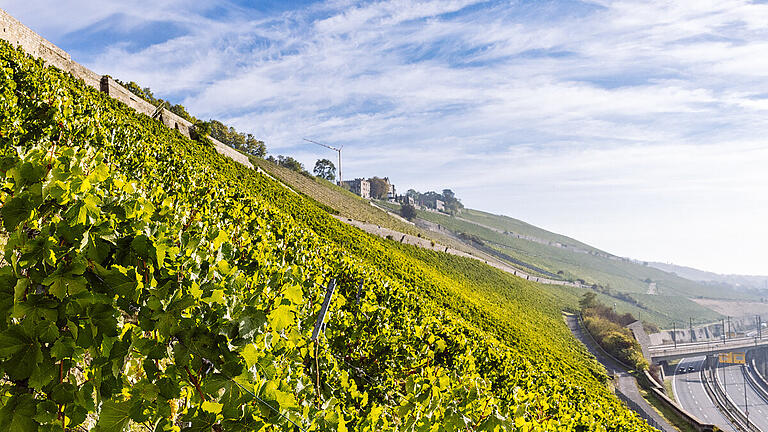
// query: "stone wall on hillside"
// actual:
[[17, 34]]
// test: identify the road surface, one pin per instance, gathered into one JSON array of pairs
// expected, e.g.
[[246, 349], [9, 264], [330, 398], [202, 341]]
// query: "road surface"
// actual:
[[626, 384], [732, 377], [691, 395]]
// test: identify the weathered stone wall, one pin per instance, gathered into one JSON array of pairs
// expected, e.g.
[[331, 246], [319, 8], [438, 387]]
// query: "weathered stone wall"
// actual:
[[641, 337], [16, 33], [35, 45]]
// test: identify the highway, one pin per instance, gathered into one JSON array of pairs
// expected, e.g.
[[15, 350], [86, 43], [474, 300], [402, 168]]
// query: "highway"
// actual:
[[733, 379], [690, 394]]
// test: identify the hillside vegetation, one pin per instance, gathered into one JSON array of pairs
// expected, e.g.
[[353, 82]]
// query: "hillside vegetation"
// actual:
[[625, 282], [149, 282]]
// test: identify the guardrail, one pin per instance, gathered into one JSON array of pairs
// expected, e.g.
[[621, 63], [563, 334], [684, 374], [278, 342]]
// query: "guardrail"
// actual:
[[759, 378], [754, 382], [724, 402]]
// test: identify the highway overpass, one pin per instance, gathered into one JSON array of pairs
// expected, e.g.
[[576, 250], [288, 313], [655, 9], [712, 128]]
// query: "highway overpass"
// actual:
[[668, 352]]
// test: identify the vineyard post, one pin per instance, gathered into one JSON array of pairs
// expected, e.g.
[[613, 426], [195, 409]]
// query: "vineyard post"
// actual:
[[316, 332], [357, 302]]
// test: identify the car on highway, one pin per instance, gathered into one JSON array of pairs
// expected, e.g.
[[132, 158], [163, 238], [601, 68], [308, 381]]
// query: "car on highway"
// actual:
[[691, 369]]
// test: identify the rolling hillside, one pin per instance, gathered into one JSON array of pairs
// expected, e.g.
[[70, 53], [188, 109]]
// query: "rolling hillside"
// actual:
[[152, 283], [620, 281], [620, 278]]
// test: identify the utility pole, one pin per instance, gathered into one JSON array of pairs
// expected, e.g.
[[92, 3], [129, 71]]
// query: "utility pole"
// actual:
[[674, 333], [690, 326], [723, 335], [729, 326], [338, 150], [746, 406]]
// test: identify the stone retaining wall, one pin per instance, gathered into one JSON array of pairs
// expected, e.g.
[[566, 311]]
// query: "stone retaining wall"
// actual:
[[17, 34]]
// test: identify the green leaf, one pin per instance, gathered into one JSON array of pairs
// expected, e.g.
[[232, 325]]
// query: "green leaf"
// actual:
[[17, 414], [217, 296], [43, 374], [212, 407], [19, 353], [63, 285], [20, 289], [15, 211], [118, 280], [294, 294], [63, 393], [31, 173], [284, 399], [100, 173], [250, 354], [114, 416], [281, 317], [47, 412]]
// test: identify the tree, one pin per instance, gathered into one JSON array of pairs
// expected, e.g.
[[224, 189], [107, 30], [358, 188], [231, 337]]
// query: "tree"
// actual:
[[588, 300], [408, 211], [200, 132], [430, 198], [325, 169], [452, 204], [255, 147], [180, 111], [379, 188], [287, 162]]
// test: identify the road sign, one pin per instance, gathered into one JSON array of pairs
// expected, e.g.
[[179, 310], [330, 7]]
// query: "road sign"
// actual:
[[732, 357]]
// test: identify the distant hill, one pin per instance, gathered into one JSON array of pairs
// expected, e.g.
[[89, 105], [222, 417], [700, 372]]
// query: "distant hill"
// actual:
[[633, 286], [749, 282]]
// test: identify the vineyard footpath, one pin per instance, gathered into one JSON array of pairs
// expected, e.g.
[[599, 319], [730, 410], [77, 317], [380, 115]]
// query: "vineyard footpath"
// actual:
[[149, 283]]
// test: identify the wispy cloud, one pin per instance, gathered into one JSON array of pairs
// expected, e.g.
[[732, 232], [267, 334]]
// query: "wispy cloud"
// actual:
[[623, 110]]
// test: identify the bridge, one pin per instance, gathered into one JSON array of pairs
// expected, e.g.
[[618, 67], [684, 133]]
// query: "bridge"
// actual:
[[668, 352]]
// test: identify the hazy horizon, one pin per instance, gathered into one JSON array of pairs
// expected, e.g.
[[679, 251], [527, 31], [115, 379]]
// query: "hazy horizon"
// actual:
[[636, 127]]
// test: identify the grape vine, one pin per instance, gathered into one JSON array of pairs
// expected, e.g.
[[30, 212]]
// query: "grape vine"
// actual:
[[148, 283]]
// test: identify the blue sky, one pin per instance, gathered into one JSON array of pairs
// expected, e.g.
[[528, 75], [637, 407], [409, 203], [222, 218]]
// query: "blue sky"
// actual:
[[636, 126]]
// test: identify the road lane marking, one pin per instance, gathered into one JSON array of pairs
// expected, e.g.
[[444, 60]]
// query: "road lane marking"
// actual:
[[674, 382]]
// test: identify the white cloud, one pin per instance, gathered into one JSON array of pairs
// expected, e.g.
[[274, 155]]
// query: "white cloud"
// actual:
[[609, 120]]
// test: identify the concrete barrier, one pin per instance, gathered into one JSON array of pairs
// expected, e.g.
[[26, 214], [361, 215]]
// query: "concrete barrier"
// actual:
[[685, 415]]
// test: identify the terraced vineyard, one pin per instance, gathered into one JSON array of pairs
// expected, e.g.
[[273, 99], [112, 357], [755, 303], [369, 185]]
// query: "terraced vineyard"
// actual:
[[339, 201], [626, 281], [150, 283]]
